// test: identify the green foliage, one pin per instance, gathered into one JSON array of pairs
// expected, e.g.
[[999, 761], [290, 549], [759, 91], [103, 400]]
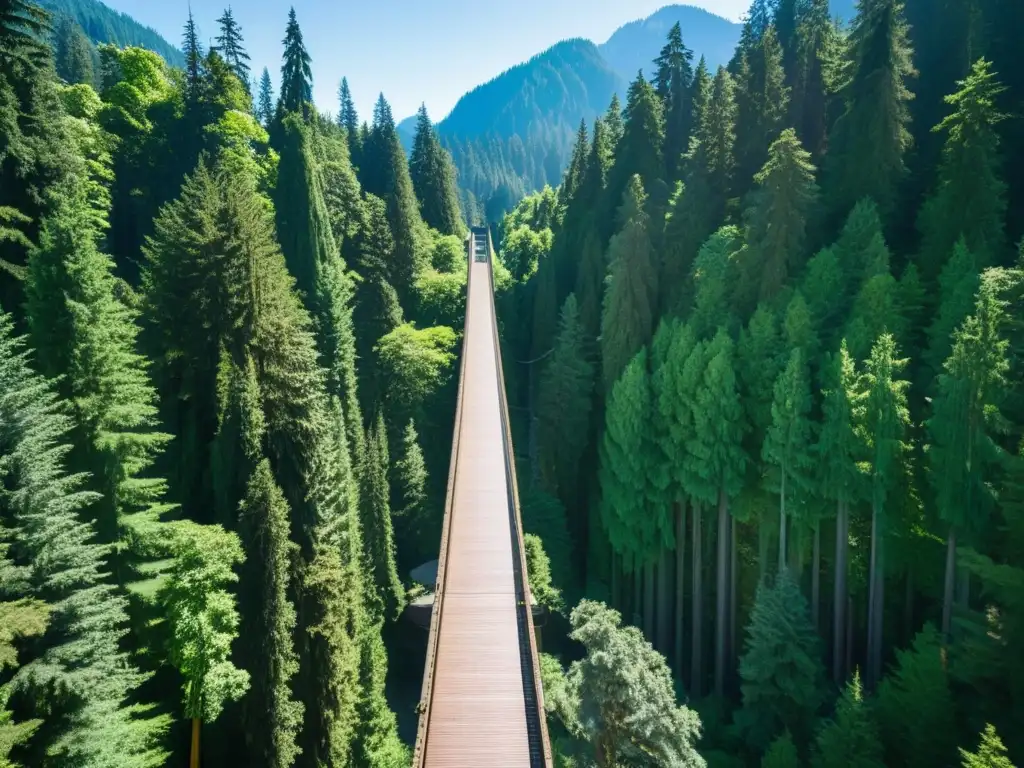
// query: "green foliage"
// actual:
[[413, 363], [433, 179], [523, 249], [296, 73], [762, 100], [203, 617], [919, 684], [839, 444], [627, 321], [991, 752], [850, 739], [230, 46], [538, 568], [410, 508], [627, 704], [781, 754], [378, 536], [780, 670], [77, 677]]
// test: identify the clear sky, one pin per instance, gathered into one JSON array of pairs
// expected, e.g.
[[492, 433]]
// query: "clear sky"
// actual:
[[413, 50]]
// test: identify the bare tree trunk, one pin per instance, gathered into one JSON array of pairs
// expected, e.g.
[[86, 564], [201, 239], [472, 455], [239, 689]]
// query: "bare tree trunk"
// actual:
[[782, 523], [680, 580], [949, 583], [849, 634], [872, 586], [731, 652], [696, 665], [876, 601], [839, 618], [193, 760], [649, 600], [664, 613], [721, 592], [616, 583], [816, 577]]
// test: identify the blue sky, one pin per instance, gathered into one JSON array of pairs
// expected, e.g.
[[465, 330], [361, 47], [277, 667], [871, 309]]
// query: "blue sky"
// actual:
[[412, 50]]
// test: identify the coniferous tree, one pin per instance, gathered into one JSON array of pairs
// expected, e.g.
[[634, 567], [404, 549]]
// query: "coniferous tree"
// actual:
[[627, 320], [296, 73], [777, 221], [563, 407], [384, 172], [265, 99], [969, 201], [818, 54], [780, 671], [839, 479], [991, 752], [781, 754], [613, 122], [193, 63], [433, 178], [78, 677], [883, 423], [918, 683], [73, 53], [573, 176], [850, 739], [312, 256], [713, 277], [762, 104], [231, 48], [409, 505], [871, 137], [965, 415], [673, 82], [958, 286], [348, 119], [624, 695], [378, 534]]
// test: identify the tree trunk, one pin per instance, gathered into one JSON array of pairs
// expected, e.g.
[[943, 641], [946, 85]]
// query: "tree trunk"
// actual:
[[782, 523], [963, 589], [731, 651], [680, 580], [839, 619], [637, 607], [948, 585], [193, 761], [650, 608], [721, 592], [876, 600], [872, 577], [816, 577], [696, 668], [663, 615], [616, 584], [763, 545]]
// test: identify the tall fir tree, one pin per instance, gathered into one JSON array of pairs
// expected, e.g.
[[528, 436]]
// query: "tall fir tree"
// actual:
[[762, 105], [231, 47], [193, 63], [296, 73], [265, 99], [73, 53], [867, 147], [818, 60], [627, 320], [673, 82], [850, 739], [378, 534], [433, 178], [348, 119]]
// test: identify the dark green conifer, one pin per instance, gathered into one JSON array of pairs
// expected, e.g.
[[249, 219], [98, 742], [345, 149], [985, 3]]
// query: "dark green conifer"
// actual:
[[296, 73], [781, 754], [850, 739], [991, 752], [378, 535], [762, 104], [409, 505], [818, 63], [265, 99], [433, 178], [627, 320], [231, 47], [673, 82], [72, 53], [193, 62], [870, 138]]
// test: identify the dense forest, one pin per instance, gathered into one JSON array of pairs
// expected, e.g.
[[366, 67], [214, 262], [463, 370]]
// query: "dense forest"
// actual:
[[765, 349], [764, 343]]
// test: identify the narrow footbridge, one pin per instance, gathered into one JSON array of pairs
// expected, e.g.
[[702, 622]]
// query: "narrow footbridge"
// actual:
[[481, 705]]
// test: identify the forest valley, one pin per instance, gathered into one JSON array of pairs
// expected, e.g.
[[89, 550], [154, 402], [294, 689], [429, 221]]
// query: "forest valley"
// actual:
[[765, 354]]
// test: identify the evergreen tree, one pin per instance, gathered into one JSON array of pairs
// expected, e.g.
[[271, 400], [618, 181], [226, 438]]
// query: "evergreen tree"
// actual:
[[231, 48], [777, 221], [84, 334], [296, 73], [787, 445], [871, 137], [73, 53], [204, 621], [963, 454], [347, 116], [969, 202], [883, 424], [573, 176], [304, 230], [563, 407], [378, 536], [762, 104], [780, 670], [613, 122], [919, 684], [384, 172], [850, 739], [78, 677], [627, 320], [713, 277], [839, 479], [272, 716], [818, 51], [991, 752], [673, 82], [623, 691], [958, 286], [433, 178], [781, 754], [409, 506], [265, 99], [193, 63]]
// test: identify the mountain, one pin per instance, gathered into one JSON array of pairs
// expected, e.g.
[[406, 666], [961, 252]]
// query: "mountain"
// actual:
[[105, 25], [635, 45]]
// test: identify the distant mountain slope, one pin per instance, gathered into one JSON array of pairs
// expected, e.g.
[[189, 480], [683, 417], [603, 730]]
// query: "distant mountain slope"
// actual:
[[105, 25], [635, 45]]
